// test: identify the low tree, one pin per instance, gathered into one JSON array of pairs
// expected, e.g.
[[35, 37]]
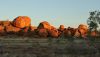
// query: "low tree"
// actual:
[[94, 20]]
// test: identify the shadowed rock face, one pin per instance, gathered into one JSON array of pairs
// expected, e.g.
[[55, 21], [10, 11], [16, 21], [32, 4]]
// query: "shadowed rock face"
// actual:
[[42, 32], [22, 21], [53, 33], [81, 31], [69, 32], [61, 28]]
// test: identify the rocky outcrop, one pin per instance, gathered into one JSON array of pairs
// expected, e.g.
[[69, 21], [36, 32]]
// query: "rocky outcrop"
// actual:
[[22, 26]]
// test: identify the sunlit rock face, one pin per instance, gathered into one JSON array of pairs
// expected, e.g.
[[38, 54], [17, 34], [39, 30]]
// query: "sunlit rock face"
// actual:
[[45, 25], [12, 29], [5, 23], [81, 31], [22, 21], [48, 29], [1, 29]]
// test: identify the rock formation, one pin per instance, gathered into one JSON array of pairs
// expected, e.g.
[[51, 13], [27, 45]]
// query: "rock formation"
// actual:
[[22, 26]]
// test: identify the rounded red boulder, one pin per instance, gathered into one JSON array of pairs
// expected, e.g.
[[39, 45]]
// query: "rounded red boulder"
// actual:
[[22, 21]]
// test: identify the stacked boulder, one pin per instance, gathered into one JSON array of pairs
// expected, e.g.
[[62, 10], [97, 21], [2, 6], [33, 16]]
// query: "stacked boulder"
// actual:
[[3, 25], [18, 24], [47, 30], [45, 25]]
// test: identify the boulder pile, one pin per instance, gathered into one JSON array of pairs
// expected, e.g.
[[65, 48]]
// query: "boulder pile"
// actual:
[[21, 25]]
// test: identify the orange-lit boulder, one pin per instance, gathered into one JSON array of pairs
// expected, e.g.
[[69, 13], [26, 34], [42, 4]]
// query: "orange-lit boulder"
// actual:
[[45, 25], [22, 21], [53, 33], [42, 32], [5, 23], [1, 29], [12, 29]]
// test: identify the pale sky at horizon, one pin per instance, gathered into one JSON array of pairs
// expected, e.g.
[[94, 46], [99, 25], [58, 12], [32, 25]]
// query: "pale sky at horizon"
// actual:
[[56, 12]]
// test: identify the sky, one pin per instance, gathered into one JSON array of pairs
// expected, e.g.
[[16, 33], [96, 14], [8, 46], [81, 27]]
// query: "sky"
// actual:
[[56, 12]]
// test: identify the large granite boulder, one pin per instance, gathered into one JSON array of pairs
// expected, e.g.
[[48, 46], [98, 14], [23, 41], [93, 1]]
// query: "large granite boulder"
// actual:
[[44, 25], [22, 21]]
